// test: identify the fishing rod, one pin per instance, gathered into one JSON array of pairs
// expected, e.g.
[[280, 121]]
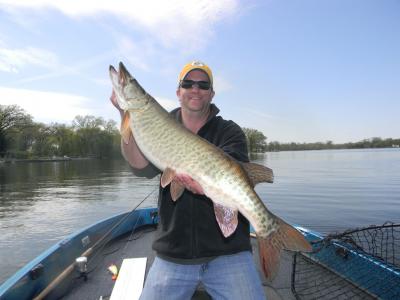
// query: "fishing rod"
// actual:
[[67, 271]]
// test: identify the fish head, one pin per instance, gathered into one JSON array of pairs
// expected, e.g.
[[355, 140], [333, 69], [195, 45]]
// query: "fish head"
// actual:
[[130, 95]]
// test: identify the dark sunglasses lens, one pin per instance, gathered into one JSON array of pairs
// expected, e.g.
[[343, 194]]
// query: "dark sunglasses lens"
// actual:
[[187, 84], [204, 85]]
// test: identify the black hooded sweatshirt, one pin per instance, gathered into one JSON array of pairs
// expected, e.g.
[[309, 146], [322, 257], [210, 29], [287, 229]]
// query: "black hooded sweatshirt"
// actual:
[[188, 231]]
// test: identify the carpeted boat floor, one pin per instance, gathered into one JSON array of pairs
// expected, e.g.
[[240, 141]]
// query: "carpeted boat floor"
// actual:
[[99, 283]]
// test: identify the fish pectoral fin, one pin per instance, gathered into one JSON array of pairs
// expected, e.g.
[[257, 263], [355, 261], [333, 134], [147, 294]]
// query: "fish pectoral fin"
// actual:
[[167, 177], [125, 128], [176, 190], [258, 173], [227, 219]]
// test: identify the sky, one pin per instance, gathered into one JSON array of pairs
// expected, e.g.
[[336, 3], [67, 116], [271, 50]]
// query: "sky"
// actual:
[[297, 70]]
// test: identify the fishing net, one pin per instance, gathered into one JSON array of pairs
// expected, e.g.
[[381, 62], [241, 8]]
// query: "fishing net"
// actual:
[[356, 264]]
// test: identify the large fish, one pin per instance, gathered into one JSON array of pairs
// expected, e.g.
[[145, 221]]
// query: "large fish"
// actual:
[[229, 184]]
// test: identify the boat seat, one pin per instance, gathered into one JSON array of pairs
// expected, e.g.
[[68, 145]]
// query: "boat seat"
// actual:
[[130, 279]]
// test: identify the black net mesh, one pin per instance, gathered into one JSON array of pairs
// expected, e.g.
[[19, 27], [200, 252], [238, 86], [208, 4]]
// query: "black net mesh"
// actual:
[[356, 264]]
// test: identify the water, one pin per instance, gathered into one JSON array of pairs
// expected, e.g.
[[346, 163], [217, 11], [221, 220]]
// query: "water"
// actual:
[[41, 203], [334, 190]]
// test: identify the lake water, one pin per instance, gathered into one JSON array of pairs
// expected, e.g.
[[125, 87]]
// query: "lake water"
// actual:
[[332, 190]]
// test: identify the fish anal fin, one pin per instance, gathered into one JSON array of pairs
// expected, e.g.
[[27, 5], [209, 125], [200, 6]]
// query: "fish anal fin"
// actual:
[[125, 128], [270, 247], [167, 176], [227, 219], [176, 190], [258, 173]]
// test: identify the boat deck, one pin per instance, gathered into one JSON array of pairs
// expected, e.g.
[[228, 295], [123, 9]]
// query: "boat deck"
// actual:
[[99, 283], [338, 268]]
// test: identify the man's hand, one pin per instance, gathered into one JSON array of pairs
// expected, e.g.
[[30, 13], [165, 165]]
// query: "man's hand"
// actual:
[[189, 183]]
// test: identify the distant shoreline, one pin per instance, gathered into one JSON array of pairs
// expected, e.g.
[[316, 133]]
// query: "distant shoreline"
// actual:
[[45, 159], [67, 158]]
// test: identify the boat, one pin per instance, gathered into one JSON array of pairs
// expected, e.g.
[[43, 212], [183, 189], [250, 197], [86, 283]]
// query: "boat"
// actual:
[[356, 264]]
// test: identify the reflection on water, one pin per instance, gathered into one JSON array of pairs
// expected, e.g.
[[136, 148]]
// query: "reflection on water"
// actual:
[[41, 203]]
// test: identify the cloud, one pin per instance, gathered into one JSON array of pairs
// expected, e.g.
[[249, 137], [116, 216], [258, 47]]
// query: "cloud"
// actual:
[[50, 107], [44, 106], [257, 113], [12, 60], [183, 22], [168, 104], [137, 53], [58, 70], [153, 32], [221, 84]]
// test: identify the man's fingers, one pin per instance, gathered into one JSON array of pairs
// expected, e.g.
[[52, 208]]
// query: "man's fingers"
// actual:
[[189, 183]]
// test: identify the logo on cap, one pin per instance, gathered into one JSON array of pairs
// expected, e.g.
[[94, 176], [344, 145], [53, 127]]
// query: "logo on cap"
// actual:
[[196, 64]]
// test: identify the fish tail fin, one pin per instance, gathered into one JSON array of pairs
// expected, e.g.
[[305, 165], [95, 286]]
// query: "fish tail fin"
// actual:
[[270, 247]]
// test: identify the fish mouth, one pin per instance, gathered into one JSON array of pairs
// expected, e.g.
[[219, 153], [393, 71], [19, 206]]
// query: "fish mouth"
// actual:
[[112, 70], [123, 74], [114, 77], [120, 77]]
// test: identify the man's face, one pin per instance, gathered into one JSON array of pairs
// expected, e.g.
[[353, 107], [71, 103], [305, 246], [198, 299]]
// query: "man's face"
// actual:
[[195, 99]]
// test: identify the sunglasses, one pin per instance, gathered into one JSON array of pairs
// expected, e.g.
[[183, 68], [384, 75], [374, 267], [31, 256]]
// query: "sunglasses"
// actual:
[[188, 84]]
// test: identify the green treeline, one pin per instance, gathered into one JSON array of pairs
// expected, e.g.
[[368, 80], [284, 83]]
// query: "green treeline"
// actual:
[[257, 142], [89, 136], [375, 142]]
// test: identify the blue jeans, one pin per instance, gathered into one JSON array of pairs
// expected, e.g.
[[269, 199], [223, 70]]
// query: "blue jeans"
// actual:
[[225, 277]]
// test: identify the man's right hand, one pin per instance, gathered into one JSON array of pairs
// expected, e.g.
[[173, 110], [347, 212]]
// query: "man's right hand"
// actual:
[[130, 151]]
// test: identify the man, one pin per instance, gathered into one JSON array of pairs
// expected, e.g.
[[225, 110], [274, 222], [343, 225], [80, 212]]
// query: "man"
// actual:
[[189, 244]]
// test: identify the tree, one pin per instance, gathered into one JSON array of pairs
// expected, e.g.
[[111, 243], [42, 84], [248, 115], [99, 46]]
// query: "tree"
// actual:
[[12, 119], [274, 146], [42, 144], [95, 136], [256, 140], [62, 139], [88, 122]]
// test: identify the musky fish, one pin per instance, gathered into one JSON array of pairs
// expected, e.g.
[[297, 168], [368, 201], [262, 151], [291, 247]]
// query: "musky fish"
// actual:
[[229, 184]]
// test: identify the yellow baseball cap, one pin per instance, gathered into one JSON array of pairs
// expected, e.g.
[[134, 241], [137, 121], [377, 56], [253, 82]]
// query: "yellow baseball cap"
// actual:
[[195, 65]]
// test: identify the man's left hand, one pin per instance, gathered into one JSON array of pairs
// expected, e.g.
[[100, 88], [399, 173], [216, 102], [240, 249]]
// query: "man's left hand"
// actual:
[[189, 183]]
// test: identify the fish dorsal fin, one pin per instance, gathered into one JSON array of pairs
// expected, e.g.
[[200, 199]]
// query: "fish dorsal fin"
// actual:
[[167, 176], [176, 190], [125, 128], [227, 219], [258, 173]]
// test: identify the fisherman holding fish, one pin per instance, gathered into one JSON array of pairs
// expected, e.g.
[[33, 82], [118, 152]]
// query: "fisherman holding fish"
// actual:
[[189, 244], [207, 196]]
